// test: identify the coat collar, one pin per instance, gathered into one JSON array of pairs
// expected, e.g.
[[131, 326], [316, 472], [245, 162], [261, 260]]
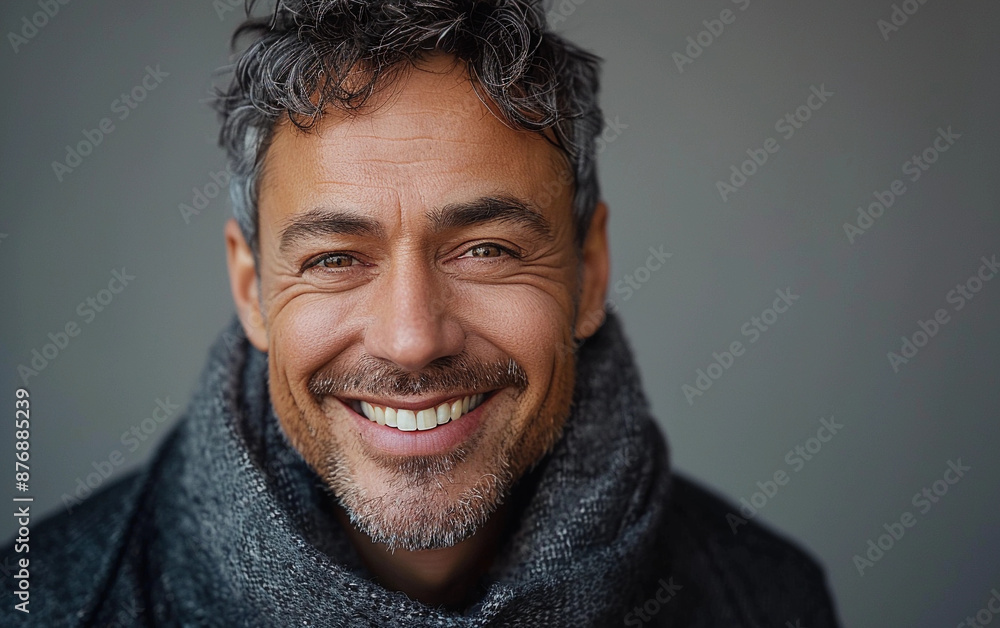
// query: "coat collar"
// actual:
[[242, 531]]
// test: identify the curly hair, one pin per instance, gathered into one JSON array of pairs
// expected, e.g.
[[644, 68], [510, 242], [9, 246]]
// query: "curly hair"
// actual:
[[312, 55]]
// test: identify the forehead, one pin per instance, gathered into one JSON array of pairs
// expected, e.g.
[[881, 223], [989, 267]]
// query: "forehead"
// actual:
[[426, 141]]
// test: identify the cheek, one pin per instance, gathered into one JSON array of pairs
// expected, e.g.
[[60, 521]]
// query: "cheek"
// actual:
[[305, 334], [523, 320], [531, 326]]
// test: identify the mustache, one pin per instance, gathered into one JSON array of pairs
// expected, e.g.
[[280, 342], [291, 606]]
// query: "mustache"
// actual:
[[373, 377]]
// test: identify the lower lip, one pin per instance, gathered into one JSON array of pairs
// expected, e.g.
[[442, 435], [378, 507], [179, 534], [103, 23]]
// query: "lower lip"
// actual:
[[438, 440]]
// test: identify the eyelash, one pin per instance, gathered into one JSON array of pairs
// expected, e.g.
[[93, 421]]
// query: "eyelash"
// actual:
[[499, 247], [318, 260]]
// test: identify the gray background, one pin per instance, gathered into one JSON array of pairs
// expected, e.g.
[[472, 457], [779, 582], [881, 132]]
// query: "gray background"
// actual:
[[825, 356]]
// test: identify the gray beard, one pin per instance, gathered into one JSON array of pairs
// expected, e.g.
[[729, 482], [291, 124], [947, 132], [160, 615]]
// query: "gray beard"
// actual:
[[418, 521], [408, 517]]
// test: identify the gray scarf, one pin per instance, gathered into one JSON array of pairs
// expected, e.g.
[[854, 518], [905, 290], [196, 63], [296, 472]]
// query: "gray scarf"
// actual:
[[235, 530]]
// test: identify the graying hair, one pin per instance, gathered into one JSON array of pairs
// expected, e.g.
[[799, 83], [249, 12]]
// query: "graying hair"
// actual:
[[308, 55]]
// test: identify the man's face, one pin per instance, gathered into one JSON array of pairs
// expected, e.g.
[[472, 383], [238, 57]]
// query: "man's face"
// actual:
[[415, 269]]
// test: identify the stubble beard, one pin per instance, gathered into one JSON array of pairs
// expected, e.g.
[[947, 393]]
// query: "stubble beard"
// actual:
[[416, 507], [426, 502]]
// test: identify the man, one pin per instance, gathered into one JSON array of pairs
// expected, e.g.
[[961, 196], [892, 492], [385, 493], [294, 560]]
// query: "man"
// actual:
[[422, 415]]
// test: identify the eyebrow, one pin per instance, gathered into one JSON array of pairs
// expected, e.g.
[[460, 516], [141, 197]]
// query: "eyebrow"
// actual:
[[505, 209], [321, 221]]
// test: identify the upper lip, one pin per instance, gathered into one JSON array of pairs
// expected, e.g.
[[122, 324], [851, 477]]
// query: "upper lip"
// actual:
[[417, 404]]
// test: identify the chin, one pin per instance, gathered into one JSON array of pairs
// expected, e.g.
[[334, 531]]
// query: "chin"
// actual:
[[429, 500], [424, 502], [420, 518]]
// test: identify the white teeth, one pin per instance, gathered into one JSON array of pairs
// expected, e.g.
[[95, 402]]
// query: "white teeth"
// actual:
[[426, 419], [443, 414], [410, 421], [406, 420]]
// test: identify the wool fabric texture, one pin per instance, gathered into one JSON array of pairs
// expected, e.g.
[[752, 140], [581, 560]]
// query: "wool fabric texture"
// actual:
[[227, 526]]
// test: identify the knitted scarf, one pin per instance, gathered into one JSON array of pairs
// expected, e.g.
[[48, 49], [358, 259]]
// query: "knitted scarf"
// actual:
[[234, 529]]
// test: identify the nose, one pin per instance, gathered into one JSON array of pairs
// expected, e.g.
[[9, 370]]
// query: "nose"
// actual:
[[413, 321]]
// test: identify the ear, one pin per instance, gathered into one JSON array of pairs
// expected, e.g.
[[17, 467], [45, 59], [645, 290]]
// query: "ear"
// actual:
[[596, 265], [243, 283]]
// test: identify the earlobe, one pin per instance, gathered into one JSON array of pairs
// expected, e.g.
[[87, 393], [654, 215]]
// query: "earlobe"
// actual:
[[243, 283], [596, 269]]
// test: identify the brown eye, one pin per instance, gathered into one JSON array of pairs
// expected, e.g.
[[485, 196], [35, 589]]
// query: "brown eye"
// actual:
[[335, 260]]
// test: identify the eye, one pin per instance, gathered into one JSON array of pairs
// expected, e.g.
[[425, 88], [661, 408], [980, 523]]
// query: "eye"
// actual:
[[332, 261], [488, 250]]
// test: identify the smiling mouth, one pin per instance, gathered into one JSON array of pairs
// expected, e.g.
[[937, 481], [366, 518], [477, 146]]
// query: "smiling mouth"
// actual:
[[410, 420]]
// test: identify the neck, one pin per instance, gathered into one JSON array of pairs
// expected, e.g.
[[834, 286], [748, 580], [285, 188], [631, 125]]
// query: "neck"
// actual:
[[437, 577]]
